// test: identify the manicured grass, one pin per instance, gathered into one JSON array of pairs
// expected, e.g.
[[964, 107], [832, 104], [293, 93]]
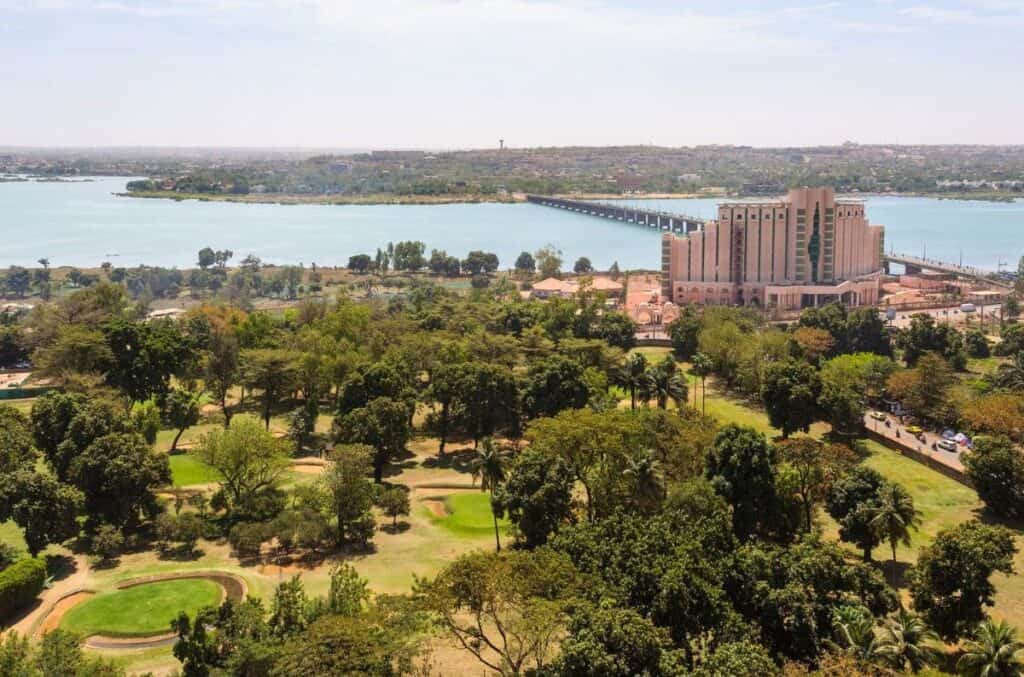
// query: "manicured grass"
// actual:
[[984, 365], [142, 610], [24, 406], [469, 514], [10, 534], [187, 470]]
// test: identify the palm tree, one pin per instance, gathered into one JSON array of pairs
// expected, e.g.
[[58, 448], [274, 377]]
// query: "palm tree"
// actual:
[[906, 642], [702, 367], [994, 652], [666, 384], [894, 518], [489, 466], [855, 630], [634, 376], [1011, 374], [645, 472]]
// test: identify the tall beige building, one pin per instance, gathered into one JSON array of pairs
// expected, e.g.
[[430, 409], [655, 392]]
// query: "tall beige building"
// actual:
[[802, 250]]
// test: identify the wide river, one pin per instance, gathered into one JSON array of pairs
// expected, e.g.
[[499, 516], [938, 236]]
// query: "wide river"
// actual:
[[84, 224]]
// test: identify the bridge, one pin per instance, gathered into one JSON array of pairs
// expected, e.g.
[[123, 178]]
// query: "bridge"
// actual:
[[676, 223], [915, 264]]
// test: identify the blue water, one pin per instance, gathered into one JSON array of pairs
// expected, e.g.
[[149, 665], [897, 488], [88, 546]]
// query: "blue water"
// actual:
[[83, 224]]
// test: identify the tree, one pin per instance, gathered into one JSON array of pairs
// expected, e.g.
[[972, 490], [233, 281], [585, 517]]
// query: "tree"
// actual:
[[181, 411], [848, 383], [525, 263], [77, 350], [553, 384], [924, 389], [144, 418], [614, 272], [207, 258], [1010, 375], [18, 280], [359, 263], [790, 395], [665, 383], [45, 509], [536, 497], [950, 585], [221, 372], [489, 467], [702, 368], [249, 459], [582, 266], [486, 396], [995, 468], [408, 255], [907, 643], [480, 263], [118, 475], [617, 329], [924, 335], [507, 608], [894, 518], [737, 659], [351, 493], [976, 343], [548, 261], [382, 424], [289, 610], [994, 651], [146, 355], [394, 501], [684, 331], [16, 448], [272, 372], [851, 502], [817, 467], [614, 642], [108, 542], [634, 377], [812, 344], [741, 468]]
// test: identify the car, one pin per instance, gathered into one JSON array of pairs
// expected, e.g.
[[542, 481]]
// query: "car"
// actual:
[[878, 416], [914, 429], [948, 434], [947, 445]]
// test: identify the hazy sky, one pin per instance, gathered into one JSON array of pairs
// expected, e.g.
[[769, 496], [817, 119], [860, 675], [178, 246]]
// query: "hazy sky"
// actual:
[[464, 73]]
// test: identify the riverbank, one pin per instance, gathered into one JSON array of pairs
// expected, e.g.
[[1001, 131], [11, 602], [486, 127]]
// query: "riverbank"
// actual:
[[296, 199]]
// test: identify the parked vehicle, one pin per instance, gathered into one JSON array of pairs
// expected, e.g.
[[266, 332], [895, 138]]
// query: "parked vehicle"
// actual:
[[914, 430], [948, 434], [947, 445], [877, 415]]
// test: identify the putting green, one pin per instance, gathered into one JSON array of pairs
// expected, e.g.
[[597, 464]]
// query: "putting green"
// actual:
[[469, 514], [142, 610]]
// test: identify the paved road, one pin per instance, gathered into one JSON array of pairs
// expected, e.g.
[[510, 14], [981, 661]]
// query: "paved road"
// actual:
[[950, 314], [908, 440]]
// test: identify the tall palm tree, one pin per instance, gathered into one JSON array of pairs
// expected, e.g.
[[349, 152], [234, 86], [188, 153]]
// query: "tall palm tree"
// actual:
[[1010, 375], [645, 472], [489, 466], [702, 367], [666, 383], [907, 642], [994, 652], [894, 518], [634, 376]]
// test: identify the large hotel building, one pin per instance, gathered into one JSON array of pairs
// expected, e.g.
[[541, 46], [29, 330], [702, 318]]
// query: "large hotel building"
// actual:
[[802, 250]]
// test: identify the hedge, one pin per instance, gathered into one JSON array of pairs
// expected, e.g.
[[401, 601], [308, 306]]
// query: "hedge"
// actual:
[[20, 583]]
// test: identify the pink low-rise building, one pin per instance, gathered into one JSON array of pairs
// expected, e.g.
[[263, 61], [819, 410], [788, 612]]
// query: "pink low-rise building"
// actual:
[[802, 250]]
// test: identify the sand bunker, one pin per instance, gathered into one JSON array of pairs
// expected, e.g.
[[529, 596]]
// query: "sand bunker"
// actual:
[[53, 617], [436, 507]]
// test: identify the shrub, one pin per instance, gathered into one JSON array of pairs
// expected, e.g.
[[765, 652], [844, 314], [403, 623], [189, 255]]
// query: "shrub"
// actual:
[[20, 583], [247, 538], [108, 542]]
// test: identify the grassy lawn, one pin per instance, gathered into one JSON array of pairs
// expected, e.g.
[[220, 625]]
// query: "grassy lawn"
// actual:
[[469, 514], [142, 610], [24, 406], [190, 436], [187, 470], [10, 534]]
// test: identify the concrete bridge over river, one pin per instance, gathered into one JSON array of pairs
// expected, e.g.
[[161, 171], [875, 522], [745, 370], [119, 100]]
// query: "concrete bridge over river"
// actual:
[[676, 223], [915, 264]]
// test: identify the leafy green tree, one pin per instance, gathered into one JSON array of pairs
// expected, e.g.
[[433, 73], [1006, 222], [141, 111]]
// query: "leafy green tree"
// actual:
[[1010, 375], [994, 651], [486, 397], [737, 659], [146, 355], [289, 609], [409, 256], [894, 518], [507, 609], [144, 418], [45, 509], [480, 263], [525, 263], [634, 377], [118, 475], [221, 371], [976, 343], [359, 263], [489, 467], [181, 411], [741, 468], [617, 329], [536, 497], [848, 383], [394, 502], [925, 335], [851, 502], [272, 372], [553, 384], [351, 493], [107, 543], [684, 331], [665, 384], [615, 642], [816, 467], [924, 390], [382, 424], [702, 368], [951, 583], [16, 444], [583, 266], [249, 459], [790, 395], [549, 261], [995, 468], [76, 350], [18, 280]]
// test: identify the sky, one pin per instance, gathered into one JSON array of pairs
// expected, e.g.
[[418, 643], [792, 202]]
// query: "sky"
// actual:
[[445, 74]]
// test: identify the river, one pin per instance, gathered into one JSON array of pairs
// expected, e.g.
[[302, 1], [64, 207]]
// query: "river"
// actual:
[[83, 224]]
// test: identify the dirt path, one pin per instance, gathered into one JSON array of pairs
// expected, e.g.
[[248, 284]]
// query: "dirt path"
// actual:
[[77, 581]]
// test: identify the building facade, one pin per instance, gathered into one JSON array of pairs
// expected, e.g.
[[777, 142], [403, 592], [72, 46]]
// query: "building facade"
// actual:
[[803, 250]]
